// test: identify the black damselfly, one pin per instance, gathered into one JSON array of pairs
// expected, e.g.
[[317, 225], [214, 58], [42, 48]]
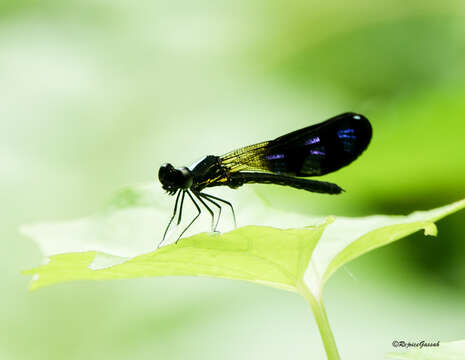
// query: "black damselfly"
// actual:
[[312, 151]]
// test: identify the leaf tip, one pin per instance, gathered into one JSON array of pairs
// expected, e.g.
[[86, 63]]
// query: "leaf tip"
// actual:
[[330, 219], [431, 229]]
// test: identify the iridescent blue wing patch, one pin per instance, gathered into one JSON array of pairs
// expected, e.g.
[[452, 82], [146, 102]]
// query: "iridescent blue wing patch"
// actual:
[[315, 150]]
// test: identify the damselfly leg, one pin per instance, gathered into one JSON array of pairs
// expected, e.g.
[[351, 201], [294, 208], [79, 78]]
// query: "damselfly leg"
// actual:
[[193, 220], [208, 209], [173, 216], [217, 205], [223, 201], [181, 206]]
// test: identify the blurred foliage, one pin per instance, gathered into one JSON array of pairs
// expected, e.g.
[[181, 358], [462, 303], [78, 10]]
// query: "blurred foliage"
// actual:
[[379, 63]]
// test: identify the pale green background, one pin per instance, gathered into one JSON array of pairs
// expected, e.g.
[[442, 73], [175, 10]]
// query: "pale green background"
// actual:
[[95, 95]]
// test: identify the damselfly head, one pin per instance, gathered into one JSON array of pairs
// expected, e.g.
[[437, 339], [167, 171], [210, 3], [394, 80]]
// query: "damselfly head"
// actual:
[[174, 179]]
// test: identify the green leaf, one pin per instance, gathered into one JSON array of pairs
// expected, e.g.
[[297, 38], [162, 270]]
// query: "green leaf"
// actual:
[[348, 238], [454, 350], [103, 246], [260, 254], [387, 230], [113, 244]]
